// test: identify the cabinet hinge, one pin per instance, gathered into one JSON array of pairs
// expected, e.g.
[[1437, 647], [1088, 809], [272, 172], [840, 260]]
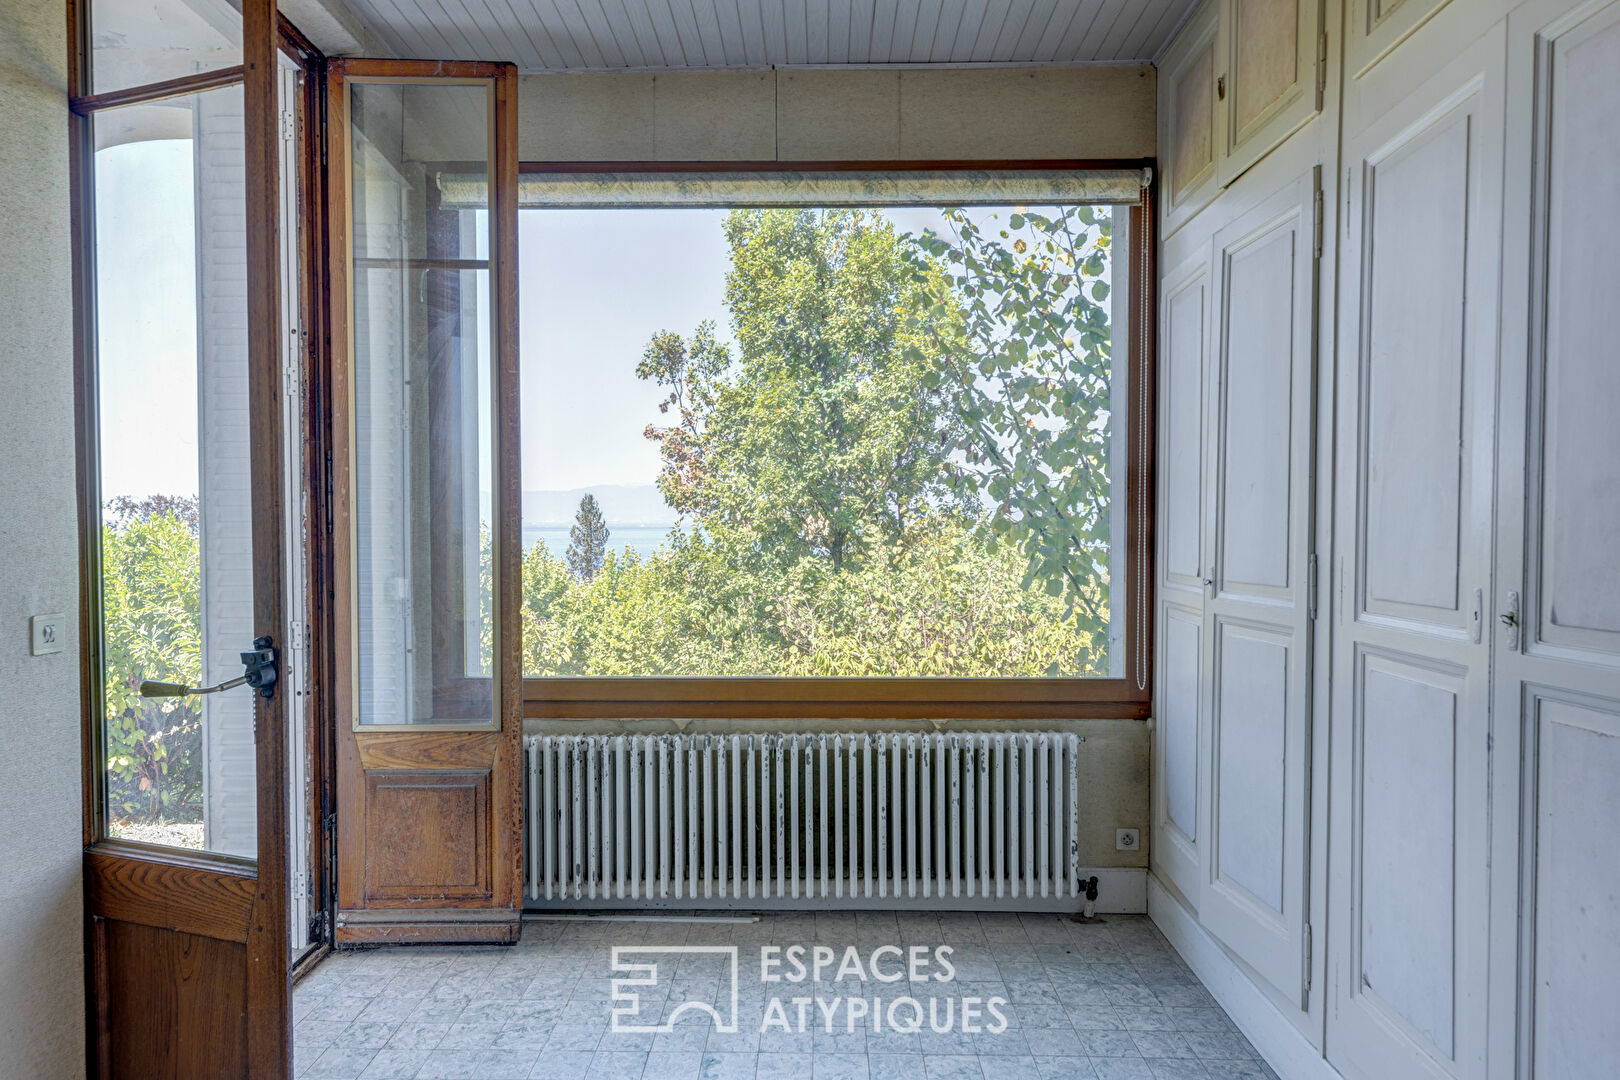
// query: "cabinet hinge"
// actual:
[[1316, 223], [1311, 586], [1306, 959], [1321, 66]]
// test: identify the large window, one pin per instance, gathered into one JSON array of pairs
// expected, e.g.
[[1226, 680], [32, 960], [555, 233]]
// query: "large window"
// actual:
[[833, 444]]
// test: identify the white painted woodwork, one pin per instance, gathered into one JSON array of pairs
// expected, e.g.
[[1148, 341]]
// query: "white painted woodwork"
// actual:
[[1267, 69], [230, 819], [1376, 27], [1256, 621], [1575, 962], [1556, 684], [605, 35], [1183, 349], [1406, 821], [1181, 705], [1187, 144], [1417, 348], [1578, 589], [1251, 758]]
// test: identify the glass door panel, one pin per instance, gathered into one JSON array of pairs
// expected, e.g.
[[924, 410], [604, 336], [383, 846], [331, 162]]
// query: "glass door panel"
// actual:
[[176, 492], [423, 348]]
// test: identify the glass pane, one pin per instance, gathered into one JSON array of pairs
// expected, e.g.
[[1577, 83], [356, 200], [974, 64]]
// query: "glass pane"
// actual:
[[134, 42], [423, 356], [177, 556], [817, 441]]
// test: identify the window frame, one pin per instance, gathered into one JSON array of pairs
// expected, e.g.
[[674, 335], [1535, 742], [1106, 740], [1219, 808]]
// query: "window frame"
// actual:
[[929, 697]]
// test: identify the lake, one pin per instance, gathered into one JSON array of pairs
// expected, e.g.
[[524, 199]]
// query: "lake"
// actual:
[[644, 539]]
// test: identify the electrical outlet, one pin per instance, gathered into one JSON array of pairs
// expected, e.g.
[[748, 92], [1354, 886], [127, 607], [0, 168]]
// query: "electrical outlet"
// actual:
[[48, 632], [1127, 840]]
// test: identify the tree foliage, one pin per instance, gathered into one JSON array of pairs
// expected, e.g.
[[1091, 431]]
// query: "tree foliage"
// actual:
[[152, 629], [587, 540], [821, 438], [1032, 386]]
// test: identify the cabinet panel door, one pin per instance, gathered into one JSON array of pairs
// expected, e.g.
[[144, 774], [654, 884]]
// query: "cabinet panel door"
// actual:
[[1269, 56], [1556, 650], [1375, 27], [1187, 120], [1407, 894], [1181, 710], [1256, 659]]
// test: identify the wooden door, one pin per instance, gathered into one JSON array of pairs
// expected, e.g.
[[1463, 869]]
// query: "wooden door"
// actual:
[[1556, 687], [1409, 887], [185, 557], [1256, 648], [423, 226]]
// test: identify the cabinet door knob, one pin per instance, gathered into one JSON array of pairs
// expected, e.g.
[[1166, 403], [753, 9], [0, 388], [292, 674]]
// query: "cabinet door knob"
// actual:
[[1220, 87]]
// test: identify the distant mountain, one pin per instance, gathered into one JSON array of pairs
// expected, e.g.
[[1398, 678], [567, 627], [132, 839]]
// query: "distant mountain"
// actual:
[[622, 504]]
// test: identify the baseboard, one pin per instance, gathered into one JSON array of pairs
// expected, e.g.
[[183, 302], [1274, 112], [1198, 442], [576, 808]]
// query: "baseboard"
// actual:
[[1279, 1042], [446, 926], [1120, 891]]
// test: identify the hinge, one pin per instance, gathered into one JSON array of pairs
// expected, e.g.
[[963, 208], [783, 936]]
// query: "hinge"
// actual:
[[329, 886], [1311, 587], [1306, 959], [1316, 223], [328, 493], [1321, 66]]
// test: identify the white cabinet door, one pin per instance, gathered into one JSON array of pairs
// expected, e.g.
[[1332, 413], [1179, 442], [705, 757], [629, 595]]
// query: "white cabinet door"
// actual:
[[1557, 646], [1256, 627], [1409, 885], [1181, 728], [1270, 55]]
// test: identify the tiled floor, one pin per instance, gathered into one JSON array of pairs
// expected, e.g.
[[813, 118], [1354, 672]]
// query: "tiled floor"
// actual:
[[1106, 1001]]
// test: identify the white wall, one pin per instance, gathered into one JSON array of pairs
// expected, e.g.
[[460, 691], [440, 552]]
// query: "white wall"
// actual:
[[41, 936]]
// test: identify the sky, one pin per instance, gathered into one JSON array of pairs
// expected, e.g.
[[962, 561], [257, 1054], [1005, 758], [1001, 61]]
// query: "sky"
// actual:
[[594, 286], [146, 302]]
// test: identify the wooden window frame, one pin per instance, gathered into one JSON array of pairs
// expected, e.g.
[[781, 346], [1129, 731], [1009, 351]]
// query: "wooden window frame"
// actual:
[[458, 693], [937, 698]]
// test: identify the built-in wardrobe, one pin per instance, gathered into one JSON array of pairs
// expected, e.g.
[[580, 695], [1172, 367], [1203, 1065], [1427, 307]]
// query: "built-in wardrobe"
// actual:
[[1387, 718]]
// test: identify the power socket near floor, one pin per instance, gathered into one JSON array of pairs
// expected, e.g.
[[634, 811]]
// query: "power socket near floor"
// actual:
[[1127, 840]]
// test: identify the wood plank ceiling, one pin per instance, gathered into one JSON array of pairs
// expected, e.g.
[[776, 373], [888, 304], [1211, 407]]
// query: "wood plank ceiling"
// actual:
[[616, 35]]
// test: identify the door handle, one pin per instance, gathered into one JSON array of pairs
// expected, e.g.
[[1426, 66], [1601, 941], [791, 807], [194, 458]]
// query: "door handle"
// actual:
[[258, 671]]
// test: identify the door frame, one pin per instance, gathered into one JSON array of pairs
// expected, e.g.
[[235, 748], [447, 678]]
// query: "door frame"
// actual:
[[165, 890]]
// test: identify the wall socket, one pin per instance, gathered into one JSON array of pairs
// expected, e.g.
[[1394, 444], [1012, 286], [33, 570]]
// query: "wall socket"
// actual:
[[1127, 840], [48, 633]]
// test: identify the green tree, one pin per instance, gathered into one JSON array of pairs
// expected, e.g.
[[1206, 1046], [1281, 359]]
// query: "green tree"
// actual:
[[1027, 367], [587, 540], [822, 437], [152, 629]]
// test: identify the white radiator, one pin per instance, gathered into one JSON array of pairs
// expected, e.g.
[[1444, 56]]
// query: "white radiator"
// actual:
[[863, 820]]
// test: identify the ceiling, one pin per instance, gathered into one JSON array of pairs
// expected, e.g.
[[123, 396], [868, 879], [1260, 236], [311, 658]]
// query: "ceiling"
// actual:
[[613, 35]]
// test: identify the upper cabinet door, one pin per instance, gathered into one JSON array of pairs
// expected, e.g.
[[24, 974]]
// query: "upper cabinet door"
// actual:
[[1268, 77], [1187, 121]]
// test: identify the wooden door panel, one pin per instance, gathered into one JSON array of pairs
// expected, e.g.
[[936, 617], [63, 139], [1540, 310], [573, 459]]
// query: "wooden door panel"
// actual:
[[174, 1005], [427, 837]]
